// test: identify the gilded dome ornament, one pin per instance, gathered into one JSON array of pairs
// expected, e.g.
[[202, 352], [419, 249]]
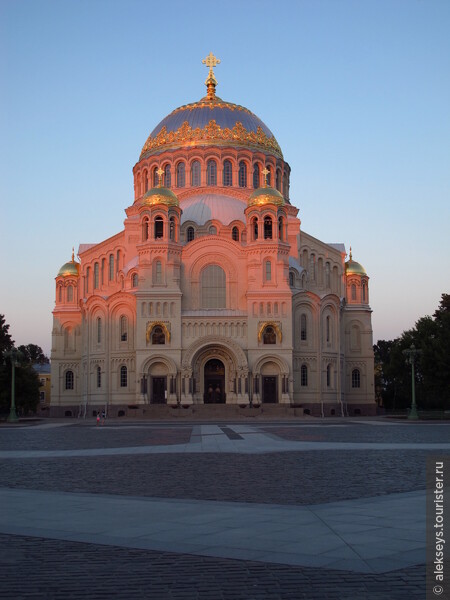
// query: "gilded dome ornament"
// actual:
[[70, 269], [266, 195], [160, 195], [209, 121], [211, 61], [354, 268]]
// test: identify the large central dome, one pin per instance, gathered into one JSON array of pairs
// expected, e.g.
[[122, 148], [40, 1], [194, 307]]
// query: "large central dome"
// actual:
[[211, 121]]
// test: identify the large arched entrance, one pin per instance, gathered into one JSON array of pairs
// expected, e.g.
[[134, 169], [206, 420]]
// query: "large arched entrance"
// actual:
[[214, 382]]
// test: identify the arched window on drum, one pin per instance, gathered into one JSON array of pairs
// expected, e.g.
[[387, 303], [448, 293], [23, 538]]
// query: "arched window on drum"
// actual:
[[227, 173], [195, 174], [242, 174], [211, 172]]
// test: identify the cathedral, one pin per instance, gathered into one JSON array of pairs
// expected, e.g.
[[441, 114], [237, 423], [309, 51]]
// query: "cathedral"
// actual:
[[212, 293]]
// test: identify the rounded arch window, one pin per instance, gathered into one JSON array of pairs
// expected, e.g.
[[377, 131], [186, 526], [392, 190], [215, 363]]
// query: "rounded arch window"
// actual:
[[353, 292], [123, 328], [167, 176], [155, 177], [190, 234], [70, 293], [172, 229], [280, 228], [235, 234], [242, 174], [123, 376], [99, 330], [269, 335], [159, 228], [328, 328], [181, 175], [59, 293], [144, 229], [213, 287], [328, 375], [195, 174], [211, 172], [278, 181], [304, 376], [267, 228], [134, 280], [227, 173], [303, 328], [96, 276], [268, 270], [111, 267], [256, 176], [69, 380], [212, 230], [291, 279], [285, 185], [145, 181], [255, 228], [356, 378], [158, 335], [158, 272]]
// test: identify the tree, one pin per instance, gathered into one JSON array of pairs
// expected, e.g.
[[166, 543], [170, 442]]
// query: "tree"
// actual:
[[33, 354], [26, 378], [6, 342], [431, 335]]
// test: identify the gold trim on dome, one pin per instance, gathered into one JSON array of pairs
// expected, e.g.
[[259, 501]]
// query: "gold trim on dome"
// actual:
[[159, 199], [212, 132], [211, 103]]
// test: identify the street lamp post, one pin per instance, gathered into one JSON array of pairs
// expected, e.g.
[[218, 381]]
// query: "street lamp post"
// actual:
[[411, 354], [13, 355]]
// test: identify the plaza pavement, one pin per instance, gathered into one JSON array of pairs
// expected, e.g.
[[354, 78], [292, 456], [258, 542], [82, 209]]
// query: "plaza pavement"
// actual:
[[333, 542]]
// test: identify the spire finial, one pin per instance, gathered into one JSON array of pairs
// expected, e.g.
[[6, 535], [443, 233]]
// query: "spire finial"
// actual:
[[211, 61], [160, 173], [350, 253], [265, 172], [73, 254]]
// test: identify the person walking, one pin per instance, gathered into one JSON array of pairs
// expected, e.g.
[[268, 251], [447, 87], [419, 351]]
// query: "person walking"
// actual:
[[98, 418], [103, 417]]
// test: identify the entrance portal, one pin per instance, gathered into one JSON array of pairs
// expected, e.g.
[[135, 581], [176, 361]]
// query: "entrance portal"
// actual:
[[269, 390], [214, 382], [159, 390]]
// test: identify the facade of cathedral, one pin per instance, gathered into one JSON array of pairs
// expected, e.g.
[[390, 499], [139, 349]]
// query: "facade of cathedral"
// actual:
[[212, 293]]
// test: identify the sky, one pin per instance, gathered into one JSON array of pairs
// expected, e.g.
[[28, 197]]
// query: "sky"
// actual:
[[357, 94]]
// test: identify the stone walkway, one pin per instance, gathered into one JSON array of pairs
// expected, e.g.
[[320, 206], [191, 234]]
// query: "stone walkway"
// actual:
[[363, 548]]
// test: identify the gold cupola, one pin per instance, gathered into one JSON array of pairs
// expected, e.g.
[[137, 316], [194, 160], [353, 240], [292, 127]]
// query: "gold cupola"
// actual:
[[70, 269], [354, 268], [266, 195], [160, 195]]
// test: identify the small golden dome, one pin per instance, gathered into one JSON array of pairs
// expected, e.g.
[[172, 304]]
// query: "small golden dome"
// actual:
[[160, 195], [354, 268], [71, 268], [266, 195]]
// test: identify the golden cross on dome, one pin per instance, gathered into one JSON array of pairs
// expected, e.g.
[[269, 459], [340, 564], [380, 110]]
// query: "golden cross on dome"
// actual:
[[211, 61], [265, 172], [160, 173], [350, 253]]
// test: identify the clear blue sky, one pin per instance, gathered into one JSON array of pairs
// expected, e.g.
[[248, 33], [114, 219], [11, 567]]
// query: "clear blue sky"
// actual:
[[357, 94]]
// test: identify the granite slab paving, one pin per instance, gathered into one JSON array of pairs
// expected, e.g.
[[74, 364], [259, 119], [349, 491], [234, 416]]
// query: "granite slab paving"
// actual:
[[317, 510], [304, 536]]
